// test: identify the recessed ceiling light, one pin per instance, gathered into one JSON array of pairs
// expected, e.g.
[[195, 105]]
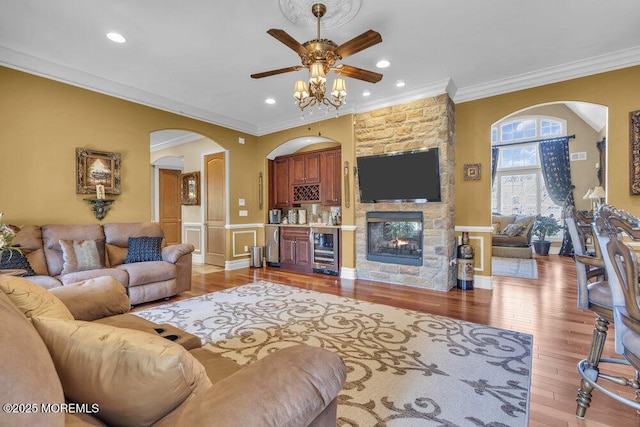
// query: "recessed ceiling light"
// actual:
[[116, 37], [270, 101], [366, 93], [400, 83], [383, 63]]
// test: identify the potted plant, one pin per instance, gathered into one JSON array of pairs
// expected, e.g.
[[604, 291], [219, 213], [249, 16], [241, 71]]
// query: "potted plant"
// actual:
[[542, 227]]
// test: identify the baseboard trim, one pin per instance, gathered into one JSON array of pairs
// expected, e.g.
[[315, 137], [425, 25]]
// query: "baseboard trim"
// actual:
[[237, 265], [483, 282], [197, 259], [348, 273]]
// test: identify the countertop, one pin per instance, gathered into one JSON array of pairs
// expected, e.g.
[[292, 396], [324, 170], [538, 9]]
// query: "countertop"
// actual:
[[314, 225]]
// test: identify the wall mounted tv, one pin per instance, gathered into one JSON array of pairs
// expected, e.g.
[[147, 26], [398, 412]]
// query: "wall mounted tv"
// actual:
[[409, 176]]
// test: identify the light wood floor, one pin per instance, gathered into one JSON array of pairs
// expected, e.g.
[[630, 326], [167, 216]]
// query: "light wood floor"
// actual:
[[545, 307]]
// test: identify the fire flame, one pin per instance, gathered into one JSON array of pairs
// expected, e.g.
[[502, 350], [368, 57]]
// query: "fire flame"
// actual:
[[402, 242]]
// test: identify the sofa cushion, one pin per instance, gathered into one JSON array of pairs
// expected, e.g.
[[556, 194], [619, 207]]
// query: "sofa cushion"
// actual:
[[30, 240], [513, 229], [142, 273], [142, 249], [505, 240], [28, 373], [499, 222], [15, 259], [52, 234], [136, 378], [81, 255], [46, 282], [78, 276], [94, 298], [33, 300], [117, 237]]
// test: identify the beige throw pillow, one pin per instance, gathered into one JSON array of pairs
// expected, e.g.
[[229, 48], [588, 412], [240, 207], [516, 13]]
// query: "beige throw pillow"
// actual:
[[80, 255], [135, 377], [32, 299]]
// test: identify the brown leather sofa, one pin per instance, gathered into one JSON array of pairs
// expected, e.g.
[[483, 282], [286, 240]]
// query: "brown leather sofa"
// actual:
[[144, 281], [58, 370]]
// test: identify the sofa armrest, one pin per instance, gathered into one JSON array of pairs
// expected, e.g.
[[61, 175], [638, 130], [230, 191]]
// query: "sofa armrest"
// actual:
[[172, 253], [288, 388], [94, 298]]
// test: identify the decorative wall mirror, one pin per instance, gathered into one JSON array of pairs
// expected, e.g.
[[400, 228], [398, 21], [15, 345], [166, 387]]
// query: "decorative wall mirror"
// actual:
[[190, 188]]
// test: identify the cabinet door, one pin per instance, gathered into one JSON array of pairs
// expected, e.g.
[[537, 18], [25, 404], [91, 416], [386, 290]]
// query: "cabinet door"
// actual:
[[281, 188], [312, 168], [296, 170], [287, 249], [303, 251], [331, 178]]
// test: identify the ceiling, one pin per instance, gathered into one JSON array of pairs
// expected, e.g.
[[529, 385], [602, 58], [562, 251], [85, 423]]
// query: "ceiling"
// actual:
[[194, 58]]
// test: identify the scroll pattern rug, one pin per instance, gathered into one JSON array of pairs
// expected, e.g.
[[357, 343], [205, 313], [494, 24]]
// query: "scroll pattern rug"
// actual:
[[514, 267], [404, 368]]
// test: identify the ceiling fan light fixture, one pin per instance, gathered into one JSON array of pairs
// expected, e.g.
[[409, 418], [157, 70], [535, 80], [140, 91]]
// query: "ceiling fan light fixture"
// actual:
[[383, 63], [320, 56], [300, 90], [339, 89]]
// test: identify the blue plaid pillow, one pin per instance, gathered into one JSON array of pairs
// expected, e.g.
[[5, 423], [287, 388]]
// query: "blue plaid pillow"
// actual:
[[14, 259], [143, 249]]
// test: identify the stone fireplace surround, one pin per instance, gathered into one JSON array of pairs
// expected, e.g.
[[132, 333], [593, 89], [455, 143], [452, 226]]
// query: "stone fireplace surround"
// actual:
[[425, 123]]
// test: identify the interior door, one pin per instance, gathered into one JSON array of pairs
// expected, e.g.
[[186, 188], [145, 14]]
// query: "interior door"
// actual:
[[216, 208], [170, 210]]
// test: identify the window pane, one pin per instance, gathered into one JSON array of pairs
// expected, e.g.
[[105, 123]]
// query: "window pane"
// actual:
[[516, 194], [520, 156], [494, 135], [550, 127]]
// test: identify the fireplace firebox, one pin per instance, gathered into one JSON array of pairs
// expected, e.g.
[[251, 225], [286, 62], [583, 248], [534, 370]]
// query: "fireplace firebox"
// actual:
[[395, 237]]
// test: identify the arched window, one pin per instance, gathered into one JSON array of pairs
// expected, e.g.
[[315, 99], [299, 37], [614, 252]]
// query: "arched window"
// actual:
[[519, 187]]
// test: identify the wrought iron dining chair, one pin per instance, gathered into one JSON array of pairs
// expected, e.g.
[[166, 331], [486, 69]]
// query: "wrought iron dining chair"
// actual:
[[622, 276]]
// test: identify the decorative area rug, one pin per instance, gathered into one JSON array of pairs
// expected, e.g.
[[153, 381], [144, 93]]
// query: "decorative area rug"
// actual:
[[404, 368], [514, 267]]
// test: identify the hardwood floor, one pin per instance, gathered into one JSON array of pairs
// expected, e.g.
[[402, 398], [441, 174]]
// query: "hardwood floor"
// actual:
[[545, 308]]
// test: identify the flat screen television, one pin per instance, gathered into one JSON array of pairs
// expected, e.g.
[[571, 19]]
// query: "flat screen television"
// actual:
[[409, 176]]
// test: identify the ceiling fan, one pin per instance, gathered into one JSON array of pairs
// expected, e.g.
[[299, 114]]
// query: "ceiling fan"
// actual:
[[320, 56]]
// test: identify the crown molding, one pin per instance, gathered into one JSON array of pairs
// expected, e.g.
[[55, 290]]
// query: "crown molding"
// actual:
[[43, 68], [599, 64], [572, 70]]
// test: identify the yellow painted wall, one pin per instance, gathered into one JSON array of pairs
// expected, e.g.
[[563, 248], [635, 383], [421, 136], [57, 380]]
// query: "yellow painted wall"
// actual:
[[618, 90], [43, 121]]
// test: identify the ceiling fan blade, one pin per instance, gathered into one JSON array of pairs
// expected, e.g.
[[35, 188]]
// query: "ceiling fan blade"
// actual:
[[358, 43], [278, 71], [358, 73], [285, 38]]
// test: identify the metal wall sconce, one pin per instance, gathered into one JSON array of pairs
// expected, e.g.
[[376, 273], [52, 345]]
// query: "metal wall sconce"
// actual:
[[100, 207]]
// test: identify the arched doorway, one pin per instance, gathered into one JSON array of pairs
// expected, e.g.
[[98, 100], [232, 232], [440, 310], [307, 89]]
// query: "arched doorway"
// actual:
[[191, 150], [518, 184]]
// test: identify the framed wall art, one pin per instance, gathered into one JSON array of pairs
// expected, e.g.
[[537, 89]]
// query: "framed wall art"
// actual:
[[472, 171], [94, 168], [190, 188], [634, 152]]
